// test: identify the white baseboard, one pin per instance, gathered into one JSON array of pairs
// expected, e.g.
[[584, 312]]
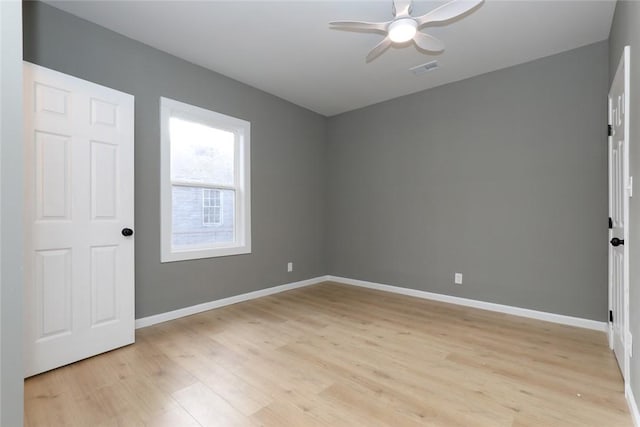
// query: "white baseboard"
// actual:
[[516, 311], [633, 407], [199, 308]]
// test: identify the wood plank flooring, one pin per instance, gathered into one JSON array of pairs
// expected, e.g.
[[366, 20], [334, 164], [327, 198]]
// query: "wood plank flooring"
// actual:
[[336, 355]]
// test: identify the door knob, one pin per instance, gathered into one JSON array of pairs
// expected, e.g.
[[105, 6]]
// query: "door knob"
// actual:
[[126, 232], [616, 242]]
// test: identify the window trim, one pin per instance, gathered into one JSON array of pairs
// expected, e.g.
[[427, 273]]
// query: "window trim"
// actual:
[[242, 171]]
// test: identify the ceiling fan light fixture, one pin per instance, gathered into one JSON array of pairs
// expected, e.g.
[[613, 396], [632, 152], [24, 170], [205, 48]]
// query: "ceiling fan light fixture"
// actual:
[[402, 30], [404, 26]]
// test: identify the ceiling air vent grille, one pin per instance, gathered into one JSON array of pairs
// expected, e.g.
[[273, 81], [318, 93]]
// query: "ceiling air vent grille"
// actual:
[[424, 68]]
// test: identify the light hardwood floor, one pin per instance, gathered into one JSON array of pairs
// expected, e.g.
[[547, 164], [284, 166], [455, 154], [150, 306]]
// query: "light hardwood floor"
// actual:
[[336, 355]]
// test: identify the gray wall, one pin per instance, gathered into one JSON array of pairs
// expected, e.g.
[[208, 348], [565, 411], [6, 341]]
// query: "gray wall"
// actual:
[[287, 161], [626, 31], [11, 171], [502, 177]]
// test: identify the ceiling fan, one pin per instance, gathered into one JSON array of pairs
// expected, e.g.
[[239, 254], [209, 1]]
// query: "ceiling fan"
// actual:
[[404, 27]]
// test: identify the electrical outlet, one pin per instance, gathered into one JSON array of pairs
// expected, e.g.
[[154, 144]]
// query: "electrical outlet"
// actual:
[[289, 267], [457, 278]]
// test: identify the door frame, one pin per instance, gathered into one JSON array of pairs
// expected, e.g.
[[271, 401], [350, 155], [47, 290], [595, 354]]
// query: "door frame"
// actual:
[[627, 179]]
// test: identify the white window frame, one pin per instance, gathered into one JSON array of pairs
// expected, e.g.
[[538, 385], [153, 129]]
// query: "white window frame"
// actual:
[[242, 170], [208, 208]]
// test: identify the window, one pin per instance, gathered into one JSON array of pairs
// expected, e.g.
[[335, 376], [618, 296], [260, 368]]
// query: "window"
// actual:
[[205, 198], [211, 207]]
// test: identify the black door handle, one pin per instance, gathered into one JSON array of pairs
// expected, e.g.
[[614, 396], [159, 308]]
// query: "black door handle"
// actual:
[[616, 242], [126, 232]]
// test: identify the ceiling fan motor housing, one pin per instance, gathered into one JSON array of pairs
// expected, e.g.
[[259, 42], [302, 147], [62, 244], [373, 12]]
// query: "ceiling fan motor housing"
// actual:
[[402, 30]]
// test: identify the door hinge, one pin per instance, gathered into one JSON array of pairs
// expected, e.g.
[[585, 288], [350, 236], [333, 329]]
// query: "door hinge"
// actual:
[[610, 223], [611, 316], [609, 130], [630, 187]]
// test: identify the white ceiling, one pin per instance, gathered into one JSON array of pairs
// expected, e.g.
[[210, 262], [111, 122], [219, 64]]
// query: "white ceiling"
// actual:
[[287, 48]]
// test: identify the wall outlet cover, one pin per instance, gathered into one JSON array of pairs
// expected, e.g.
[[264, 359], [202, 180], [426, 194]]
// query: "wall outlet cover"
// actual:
[[457, 278]]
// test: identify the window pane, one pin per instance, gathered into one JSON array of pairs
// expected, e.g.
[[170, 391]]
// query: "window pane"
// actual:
[[202, 217], [201, 153]]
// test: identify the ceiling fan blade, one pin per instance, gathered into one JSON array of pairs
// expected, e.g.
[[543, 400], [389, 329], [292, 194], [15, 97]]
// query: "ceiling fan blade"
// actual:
[[360, 25], [401, 7], [448, 11], [427, 42], [380, 47]]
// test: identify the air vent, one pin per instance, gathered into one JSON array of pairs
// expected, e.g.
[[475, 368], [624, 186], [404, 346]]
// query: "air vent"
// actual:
[[424, 68]]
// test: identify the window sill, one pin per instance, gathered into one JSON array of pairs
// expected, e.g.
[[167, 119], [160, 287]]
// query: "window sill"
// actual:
[[186, 255]]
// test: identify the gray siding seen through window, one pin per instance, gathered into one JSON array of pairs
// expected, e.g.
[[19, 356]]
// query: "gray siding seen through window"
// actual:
[[189, 229]]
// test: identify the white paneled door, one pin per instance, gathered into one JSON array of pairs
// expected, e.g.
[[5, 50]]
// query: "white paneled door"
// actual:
[[620, 188], [79, 248]]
